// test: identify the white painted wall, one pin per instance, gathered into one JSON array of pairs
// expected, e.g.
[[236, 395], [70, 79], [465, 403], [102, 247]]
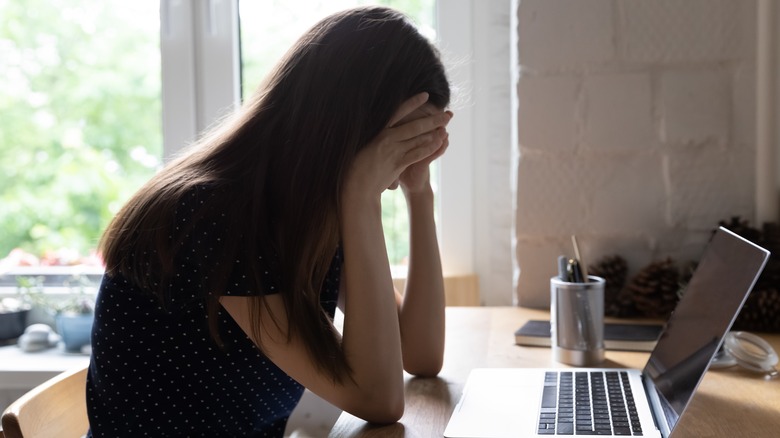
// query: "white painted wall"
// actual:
[[476, 201], [636, 129]]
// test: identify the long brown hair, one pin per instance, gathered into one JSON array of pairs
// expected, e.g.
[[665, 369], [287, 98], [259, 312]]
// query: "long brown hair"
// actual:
[[279, 164]]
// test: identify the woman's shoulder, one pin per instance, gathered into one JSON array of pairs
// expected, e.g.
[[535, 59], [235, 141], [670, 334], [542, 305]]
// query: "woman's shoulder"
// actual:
[[203, 205], [198, 196]]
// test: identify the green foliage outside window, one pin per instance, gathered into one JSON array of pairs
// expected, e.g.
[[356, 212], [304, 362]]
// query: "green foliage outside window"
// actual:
[[80, 98], [80, 127]]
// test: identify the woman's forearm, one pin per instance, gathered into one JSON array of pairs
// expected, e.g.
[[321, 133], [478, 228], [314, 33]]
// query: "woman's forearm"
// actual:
[[422, 309], [371, 338]]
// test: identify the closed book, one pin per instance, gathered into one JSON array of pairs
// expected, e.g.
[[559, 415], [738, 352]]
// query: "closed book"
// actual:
[[617, 336]]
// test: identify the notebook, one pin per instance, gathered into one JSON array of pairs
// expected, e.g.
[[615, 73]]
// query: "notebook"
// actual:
[[524, 402], [617, 336]]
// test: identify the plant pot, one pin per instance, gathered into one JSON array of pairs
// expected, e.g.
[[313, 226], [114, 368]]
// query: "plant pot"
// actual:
[[12, 324], [41, 315], [75, 330]]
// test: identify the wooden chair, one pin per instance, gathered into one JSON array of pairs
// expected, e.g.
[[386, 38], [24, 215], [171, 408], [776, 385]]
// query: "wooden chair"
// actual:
[[55, 408]]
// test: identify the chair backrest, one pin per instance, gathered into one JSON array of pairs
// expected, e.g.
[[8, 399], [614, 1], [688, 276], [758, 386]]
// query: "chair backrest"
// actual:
[[55, 408]]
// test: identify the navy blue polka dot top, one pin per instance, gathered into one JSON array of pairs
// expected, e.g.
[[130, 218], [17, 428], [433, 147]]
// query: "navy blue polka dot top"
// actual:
[[156, 371]]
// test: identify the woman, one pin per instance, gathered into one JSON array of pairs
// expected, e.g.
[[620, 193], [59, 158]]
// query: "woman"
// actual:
[[223, 271]]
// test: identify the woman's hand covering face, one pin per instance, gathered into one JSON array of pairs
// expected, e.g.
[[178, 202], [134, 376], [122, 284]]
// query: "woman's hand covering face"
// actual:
[[415, 136], [416, 177]]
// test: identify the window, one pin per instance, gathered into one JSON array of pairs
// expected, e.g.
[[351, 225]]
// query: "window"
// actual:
[[82, 103], [81, 123]]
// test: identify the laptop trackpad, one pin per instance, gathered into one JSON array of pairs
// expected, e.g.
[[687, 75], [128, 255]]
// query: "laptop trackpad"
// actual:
[[498, 403]]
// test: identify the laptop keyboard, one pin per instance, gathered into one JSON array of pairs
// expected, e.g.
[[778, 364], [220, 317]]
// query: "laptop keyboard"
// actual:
[[588, 403]]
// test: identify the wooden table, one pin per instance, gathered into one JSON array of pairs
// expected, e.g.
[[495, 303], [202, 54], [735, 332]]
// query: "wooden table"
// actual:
[[729, 402]]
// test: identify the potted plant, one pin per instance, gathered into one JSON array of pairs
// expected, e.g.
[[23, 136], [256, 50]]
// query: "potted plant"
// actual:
[[13, 319], [75, 327], [73, 311]]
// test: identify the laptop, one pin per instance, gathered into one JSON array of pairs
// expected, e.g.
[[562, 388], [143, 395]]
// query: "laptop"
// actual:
[[529, 402]]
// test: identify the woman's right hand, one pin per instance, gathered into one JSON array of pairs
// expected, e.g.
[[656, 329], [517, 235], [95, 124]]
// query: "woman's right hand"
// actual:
[[398, 146]]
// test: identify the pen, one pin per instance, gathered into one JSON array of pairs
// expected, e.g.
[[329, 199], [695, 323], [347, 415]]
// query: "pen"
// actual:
[[583, 269], [562, 265], [574, 271]]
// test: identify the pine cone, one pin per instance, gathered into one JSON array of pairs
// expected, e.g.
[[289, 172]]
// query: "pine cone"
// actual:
[[654, 289], [761, 311], [770, 238], [613, 270], [686, 273]]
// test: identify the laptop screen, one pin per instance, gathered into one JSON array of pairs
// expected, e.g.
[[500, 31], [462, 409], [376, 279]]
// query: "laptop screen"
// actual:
[[713, 297]]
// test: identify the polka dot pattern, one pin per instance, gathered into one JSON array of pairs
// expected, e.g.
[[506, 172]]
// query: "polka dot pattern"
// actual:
[[155, 370]]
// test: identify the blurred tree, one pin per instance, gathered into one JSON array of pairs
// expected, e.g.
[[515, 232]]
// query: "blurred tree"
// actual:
[[80, 98], [81, 125]]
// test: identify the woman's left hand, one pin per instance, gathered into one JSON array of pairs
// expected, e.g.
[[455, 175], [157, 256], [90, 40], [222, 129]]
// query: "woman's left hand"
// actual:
[[416, 177]]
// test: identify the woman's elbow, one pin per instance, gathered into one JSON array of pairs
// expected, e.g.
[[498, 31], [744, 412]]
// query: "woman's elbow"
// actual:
[[389, 415], [381, 403], [424, 368], [381, 412]]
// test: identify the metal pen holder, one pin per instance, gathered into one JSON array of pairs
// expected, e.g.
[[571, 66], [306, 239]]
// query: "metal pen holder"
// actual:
[[577, 321]]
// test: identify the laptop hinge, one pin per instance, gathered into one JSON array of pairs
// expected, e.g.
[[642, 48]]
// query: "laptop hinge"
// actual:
[[656, 406]]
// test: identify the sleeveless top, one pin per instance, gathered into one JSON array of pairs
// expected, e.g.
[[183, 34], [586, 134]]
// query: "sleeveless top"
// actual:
[[156, 371]]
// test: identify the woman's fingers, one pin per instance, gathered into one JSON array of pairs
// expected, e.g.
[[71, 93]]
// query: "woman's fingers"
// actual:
[[419, 126], [423, 146], [404, 143], [408, 107], [442, 149]]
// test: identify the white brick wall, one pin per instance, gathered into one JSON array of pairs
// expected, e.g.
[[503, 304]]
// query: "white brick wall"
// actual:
[[668, 31], [547, 117], [636, 129], [618, 112], [565, 34], [706, 184], [695, 106]]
